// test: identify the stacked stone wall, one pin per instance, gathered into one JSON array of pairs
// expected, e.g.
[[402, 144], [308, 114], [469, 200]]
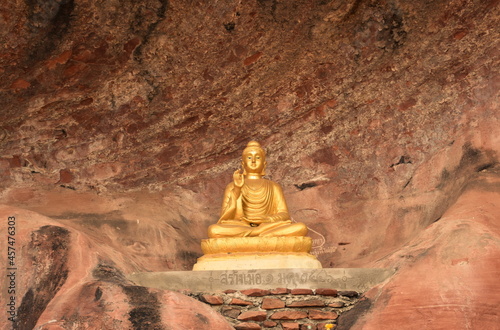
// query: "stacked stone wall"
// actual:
[[280, 308]]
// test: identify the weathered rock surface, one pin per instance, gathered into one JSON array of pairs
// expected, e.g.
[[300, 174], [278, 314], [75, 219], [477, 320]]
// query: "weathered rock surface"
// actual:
[[63, 279], [373, 113], [124, 120], [448, 275]]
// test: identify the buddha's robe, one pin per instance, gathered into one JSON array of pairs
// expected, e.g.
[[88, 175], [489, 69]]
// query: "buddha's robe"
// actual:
[[261, 198]]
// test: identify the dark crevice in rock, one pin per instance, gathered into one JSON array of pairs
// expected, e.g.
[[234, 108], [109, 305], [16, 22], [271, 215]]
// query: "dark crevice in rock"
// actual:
[[485, 167], [67, 187], [445, 176], [407, 183], [60, 133], [306, 185], [112, 219], [149, 78], [151, 81], [188, 257], [353, 9], [348, 319], [49, 251], [146, 311], [43, 13], [161, 15], [107, 272], [49, 22], [98, 293], [454, 181], [145, 317], [229, 26], [470, 155], [26, 319], [272, 7], [394, 32], [402, 160], [473, 160], [202, 318]]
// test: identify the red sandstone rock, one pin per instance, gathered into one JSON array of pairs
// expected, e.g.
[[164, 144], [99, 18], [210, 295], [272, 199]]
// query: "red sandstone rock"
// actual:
[[288, 315], [252, 59], [255, 292], [349, 294], [336, 304], [58, 60], [269, 324], [322, 315], [326, 292], [290, 326], [211, 299], [69, 280], [278, 291], [425, 122], [247, 326], [272, 303], [307, 303], [15, 162], [301, 291], [115, 126], [240, 302], [230, 311], [174, 313], [253, 316], [20, 84], [446, 293], [65, 176]]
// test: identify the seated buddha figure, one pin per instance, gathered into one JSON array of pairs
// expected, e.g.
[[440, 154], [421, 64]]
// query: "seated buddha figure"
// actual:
[[252, 205]]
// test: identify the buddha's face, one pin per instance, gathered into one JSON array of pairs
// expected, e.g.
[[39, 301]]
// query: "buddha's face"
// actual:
[[253, 161]]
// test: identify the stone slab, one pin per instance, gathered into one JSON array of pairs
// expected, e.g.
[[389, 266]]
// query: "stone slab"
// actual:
[[355, 279]]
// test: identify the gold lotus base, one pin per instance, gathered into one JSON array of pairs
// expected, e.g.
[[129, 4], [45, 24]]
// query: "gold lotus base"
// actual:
[[256, 253], [256, 244]]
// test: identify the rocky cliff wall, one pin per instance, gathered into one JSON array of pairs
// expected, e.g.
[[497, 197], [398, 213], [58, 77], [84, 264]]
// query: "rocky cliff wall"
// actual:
[[125, 119], [374, 114]]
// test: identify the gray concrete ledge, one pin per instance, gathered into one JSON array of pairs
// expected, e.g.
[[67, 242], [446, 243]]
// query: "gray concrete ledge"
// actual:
[[355, 279]]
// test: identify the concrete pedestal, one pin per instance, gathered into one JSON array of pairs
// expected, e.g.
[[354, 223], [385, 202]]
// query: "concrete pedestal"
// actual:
[[356, 279]]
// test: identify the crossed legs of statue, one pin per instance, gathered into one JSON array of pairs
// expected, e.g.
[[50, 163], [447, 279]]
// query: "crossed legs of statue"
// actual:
[[281, 228]]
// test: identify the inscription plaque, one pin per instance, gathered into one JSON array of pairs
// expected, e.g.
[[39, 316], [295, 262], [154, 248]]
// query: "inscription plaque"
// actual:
[[355, 279]]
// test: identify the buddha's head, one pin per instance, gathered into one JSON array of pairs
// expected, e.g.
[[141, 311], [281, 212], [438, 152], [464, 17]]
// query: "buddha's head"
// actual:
[[253, 159]]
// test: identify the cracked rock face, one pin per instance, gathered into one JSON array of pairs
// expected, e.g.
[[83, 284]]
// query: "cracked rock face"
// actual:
[[447, 275], [65, 279], [125, 119]]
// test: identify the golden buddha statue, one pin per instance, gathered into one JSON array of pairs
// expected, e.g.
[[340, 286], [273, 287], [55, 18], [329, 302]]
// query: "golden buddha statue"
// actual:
[[254, 230], [254, 206]]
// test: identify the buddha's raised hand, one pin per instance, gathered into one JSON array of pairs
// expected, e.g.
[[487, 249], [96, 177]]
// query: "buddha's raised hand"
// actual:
[[238, 178]]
